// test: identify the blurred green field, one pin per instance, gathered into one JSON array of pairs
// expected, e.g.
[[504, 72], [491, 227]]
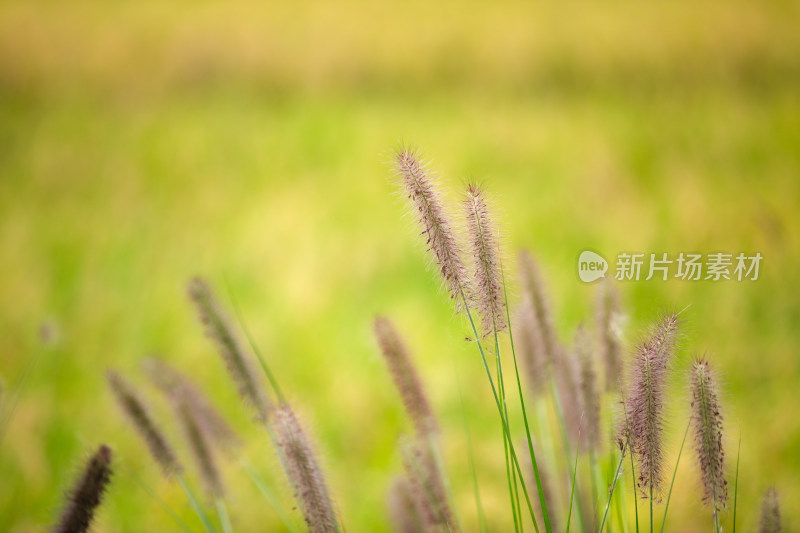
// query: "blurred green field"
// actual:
[[142, 143]]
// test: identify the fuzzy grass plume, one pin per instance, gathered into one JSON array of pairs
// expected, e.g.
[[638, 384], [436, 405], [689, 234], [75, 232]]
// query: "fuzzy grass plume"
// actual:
[[707, 424], [404, 513], [487, 288], [529, 345], [770, 513], [236, 360], [428, 487], [405, 377], [136, 411], [178, 388], [199, 446], [87, 495], [533, 287], [426, 204], [609, 346], [645, 400], [304, 472], [587, 385]]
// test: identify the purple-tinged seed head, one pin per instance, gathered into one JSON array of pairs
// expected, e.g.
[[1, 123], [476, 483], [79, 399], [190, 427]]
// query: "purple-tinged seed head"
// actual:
[[137, 413], [428, 486], [427, 206], [87, 495], [236, 360], [608, 318], [645, 400], [770, 513], [404, 513], [529, 345], [533, 287], [304, 473], [707, 427], [486, 294], [179, 388], [405, 377], [587, 384]]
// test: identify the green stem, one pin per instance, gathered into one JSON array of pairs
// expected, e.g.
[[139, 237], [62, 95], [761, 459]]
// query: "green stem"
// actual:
[[674, 474], [158, 500], [611, 493], [572, 490], [222, 513], [633, 470], [539, 488], [470, 454], [565, 439], [511, 477], [193, 501], [499, 410], [267, 492]]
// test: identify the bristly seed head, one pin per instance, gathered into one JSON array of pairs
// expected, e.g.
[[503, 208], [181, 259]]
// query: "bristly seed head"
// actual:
[[137, 413], [304, 472], [428, 486], [590, 398], [427, 206], [404, 512], [770, 513], [405, 377], [530, 345], [87, 494], [487, 287], [179, 388], [236, 360], [198, 443], [707, 424], [645, 401], [608, 314], [533, 287]]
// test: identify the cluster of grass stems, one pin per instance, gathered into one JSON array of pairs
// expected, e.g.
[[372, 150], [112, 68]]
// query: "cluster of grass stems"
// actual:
[[567, 460]]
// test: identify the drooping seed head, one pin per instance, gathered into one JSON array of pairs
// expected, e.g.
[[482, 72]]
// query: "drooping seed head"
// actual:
[[137, 413], [590, 399], [529, 344], [303, 471], [426, 204], [404, 514], [707, 426], [405, 377], [428, 486], [199, 445], [533, 287], [236, 359], [645, 400], [87, 495], [487, 287], [178, 388], [770, 513], [608, 332]]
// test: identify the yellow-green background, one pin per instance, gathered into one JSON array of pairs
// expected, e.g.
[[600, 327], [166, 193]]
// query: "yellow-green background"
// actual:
[[144, 142]]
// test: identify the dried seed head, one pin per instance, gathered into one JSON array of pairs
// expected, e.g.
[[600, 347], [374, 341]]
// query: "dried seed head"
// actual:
[[529, 343], [608, 318], [533, 287], [134, 408], [770, 513], [304, 472], [428, 486], [405, 377], [404, 514], [426, 204], [236, 360], [590, 399], [199, 445], [645, 400], [87, 494], [487, 287], [178, 387], [707, 425]]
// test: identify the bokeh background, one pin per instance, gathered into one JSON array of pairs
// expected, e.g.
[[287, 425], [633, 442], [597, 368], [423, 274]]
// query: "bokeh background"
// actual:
[[142, 143]]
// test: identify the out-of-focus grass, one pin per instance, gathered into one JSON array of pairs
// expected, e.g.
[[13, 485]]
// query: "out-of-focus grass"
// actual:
[[142, 143]]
